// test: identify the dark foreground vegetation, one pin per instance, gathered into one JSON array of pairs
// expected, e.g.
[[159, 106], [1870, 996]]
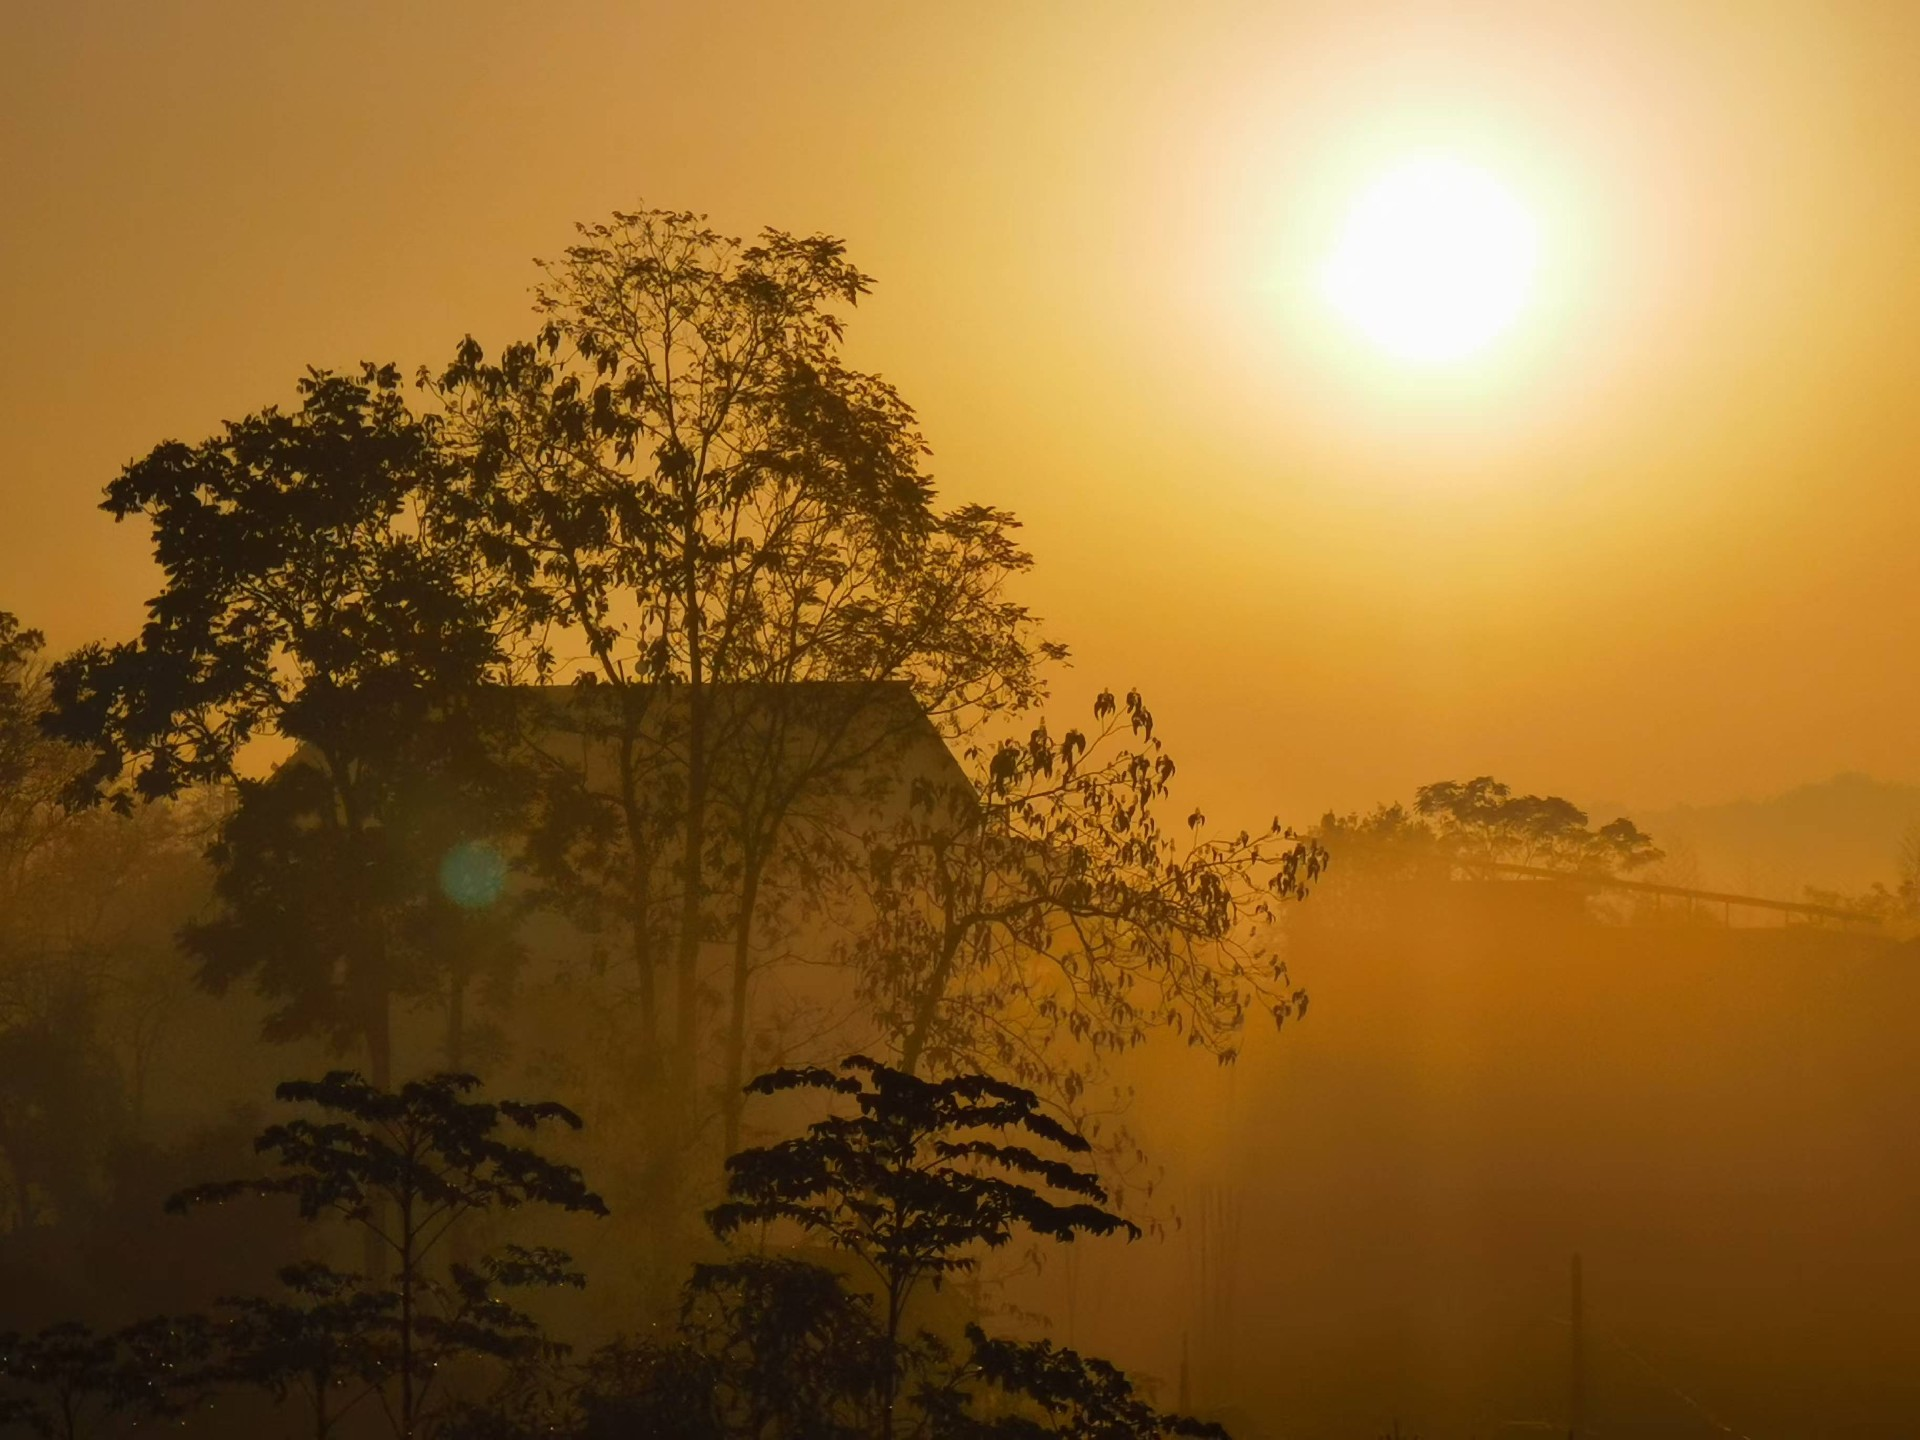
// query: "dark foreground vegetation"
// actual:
[[900, 1190]]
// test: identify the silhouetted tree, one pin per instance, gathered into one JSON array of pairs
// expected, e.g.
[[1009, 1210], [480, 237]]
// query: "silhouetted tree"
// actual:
[[1051, 917], [922, 1174], [1456, 823], [681, 470], [61, 1105], [61, 1379], [322, 1340], [405, 1166], [310, 596], [766, 1346], [88, 904], [1483, 819], [777, 1346], [1039, 1389], [64, 1380], [32, 772], [1897, 906]]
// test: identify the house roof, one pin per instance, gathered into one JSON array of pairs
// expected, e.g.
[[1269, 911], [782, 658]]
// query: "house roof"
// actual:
[[826, 734]]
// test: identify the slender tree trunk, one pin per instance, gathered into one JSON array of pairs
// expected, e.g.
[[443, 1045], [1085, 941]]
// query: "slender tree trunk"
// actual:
[[456, 1022], [890, 1373], [692, 897], [927, 1008], [406, 1322], [457, 1232], [693, 859], [380, 1038], [380, 1073], [639, 891], [732, 1101]]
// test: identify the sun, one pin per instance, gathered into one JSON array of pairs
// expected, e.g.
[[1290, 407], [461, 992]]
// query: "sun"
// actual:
[[1436, 259]]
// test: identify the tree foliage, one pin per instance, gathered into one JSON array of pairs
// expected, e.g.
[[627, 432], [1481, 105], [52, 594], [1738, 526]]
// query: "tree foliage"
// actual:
[[681, 479], [405, 1166], [312, 597], [766, 1346], [1032, 1389], [87, 978], [1482, 821], [65, 1380], [321, 1339], [915, 1181], [1052, 916]]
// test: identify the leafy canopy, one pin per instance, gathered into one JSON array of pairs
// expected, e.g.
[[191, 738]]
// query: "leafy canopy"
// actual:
[[921, 1172], [406, 1163], [307, 594]]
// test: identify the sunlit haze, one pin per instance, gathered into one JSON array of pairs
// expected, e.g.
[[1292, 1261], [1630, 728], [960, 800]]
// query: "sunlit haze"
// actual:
[[1672, 495], [813, 647]]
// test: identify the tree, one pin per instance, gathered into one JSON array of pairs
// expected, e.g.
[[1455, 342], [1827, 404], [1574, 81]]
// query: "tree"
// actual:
[[87, 906], [1049, 917], [61, 1104], [323, 1340], [32, 772], [1907, 869], [924, 1172], [1898, 906], [682, 472], [60, 1377], [405, 1166], [1482, 819], [1481, 822], [64, 1379], [1046, 1390], [311, 597], [778, 1346], [766, 1346]]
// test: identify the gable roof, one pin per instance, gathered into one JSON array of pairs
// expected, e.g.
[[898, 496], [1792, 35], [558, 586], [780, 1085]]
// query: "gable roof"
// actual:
[[782, 738]]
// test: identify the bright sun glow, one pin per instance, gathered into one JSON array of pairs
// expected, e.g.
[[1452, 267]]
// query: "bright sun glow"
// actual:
[[1435, 260]]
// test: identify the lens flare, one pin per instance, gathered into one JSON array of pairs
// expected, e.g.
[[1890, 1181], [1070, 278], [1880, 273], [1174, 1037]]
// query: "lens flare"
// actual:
[[473, 874]]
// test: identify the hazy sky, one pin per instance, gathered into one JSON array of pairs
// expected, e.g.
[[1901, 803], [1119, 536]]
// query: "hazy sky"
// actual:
[[1658, 544]]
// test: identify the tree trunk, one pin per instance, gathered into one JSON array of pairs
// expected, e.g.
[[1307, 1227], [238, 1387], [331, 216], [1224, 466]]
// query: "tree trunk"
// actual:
[[380, 1074], [732, 1100], [692, 900], [457, 1232], [639, 889], [693, 858], [406, 1323], [456, 1022], [927, 1009], [890, 1361]]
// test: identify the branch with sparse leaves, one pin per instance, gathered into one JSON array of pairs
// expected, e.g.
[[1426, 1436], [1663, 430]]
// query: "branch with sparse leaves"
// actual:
[[1051, 917]]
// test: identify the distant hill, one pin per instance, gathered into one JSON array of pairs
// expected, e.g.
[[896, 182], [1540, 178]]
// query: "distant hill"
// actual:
[[1839, 834]]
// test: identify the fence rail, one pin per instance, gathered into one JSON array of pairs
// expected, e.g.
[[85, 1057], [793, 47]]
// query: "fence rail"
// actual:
[[1648, 887]]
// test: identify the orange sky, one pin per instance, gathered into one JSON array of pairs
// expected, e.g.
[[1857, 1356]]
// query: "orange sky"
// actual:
[[1660, 546]]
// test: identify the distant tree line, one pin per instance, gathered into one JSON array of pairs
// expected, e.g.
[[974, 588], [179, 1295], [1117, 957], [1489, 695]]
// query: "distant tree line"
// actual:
[[1455, 823]]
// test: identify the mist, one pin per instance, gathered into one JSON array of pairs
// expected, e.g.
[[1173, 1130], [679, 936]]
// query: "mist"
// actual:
[[1092, 722]]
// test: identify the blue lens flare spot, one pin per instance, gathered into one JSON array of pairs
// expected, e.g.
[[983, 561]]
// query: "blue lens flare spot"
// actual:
[[473, 874]]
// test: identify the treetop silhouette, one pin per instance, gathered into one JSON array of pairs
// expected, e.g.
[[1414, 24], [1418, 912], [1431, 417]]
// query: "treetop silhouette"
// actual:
[[920, 1174]]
